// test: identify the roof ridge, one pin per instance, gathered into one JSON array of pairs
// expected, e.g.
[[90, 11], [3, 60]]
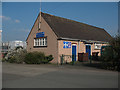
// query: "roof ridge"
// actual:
[[72, 20], [65, 29]]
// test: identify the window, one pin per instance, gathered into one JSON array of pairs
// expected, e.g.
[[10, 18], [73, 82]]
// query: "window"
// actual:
[[97, 46], [40, 42]]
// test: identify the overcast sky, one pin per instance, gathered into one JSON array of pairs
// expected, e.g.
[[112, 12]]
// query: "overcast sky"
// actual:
[[18, 18]]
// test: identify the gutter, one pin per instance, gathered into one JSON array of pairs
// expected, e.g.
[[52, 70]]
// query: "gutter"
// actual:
[[90, 41]]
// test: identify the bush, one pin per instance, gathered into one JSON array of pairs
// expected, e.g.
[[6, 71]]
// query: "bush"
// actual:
[[49, 58], [21, 56], [3, 59], [34, 57], [17, 57], [11, 59], [108, 54], [72, 63], [37, 58], [111, 54]]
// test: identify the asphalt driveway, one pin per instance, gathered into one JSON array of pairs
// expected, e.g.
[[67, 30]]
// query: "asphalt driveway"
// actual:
[[53, 76]]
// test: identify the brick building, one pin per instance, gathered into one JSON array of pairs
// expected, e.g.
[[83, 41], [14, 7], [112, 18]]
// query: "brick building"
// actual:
[[55, 35]]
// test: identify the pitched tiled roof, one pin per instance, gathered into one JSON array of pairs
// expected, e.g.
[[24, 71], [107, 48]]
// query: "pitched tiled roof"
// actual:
[[66, 28]]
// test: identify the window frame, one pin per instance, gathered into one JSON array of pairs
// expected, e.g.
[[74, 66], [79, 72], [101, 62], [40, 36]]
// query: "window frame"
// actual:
[[38, 42]]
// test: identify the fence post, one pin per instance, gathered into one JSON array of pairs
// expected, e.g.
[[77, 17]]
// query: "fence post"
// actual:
[[90, 59], [62, 59], [73, 59]]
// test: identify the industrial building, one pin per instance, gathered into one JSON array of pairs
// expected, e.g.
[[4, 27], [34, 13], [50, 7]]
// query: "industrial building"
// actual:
[[11, 45]]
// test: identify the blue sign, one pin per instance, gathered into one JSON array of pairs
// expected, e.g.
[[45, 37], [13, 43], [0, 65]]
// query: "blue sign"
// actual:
[[40, 34], [67, 44]]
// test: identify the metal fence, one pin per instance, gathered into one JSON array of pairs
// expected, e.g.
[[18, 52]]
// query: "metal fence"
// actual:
[[64, 59]]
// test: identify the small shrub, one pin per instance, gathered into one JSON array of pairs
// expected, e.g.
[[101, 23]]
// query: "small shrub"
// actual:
[[17, 56], [3, 59], [11, 59], [21, 56], [49, 58], [72, 63], [45, 61], [34, 58], [37, 58]]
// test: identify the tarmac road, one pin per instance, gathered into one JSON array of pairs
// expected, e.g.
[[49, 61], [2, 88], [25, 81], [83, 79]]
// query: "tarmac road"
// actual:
[[52, 76]]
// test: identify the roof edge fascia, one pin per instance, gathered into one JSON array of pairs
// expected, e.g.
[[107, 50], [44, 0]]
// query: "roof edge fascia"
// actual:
[[82, 40]]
